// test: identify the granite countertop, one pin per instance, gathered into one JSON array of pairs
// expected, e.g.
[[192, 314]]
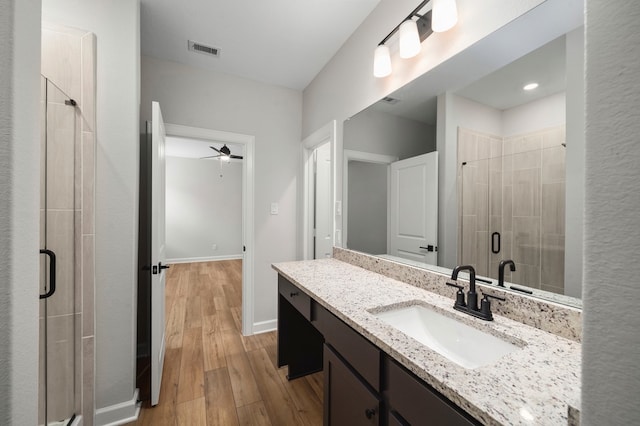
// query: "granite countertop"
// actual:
[[532, 385]]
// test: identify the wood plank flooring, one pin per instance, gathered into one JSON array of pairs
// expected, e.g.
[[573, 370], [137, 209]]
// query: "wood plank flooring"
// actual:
[[213, 375]]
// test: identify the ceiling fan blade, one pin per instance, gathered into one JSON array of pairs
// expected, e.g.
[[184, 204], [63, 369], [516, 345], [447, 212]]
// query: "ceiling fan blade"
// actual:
[[239, 157], [211, 156], [215, 149]]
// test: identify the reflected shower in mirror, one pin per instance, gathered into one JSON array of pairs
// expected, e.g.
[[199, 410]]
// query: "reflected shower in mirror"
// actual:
[[510, 177]]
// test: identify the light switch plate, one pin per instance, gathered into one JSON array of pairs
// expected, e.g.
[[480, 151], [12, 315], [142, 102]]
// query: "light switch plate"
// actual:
[[274, 208], [338, 208]]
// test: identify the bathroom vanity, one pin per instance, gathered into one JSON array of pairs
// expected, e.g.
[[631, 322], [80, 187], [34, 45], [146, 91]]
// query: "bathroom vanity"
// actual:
[[330, 318]]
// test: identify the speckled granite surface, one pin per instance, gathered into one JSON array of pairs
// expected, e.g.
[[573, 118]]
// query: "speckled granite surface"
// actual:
[[533, 385], [565, 321]]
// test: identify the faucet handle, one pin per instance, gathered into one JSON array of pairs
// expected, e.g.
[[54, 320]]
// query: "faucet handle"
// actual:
[[485, 305], [459, 295]]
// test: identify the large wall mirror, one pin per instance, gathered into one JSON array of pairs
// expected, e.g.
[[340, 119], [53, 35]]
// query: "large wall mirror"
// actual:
[[465, 166]]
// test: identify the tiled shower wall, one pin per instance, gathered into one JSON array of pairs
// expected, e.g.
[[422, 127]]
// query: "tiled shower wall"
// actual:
[[68, 60], [514, 186]]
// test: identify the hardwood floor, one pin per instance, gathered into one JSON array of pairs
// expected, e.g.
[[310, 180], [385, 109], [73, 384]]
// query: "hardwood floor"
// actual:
[[212, 374]]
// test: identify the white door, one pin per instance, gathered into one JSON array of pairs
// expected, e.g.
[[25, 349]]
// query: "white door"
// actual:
[[158, 258], [323, 204], [413, 224]]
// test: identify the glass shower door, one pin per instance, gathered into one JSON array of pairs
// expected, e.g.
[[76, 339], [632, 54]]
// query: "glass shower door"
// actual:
[[59, 333]]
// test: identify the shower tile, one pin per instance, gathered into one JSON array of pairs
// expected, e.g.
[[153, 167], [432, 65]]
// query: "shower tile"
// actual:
[[41, 370], [553, 208], [553, 137], [552, 262], [483, 172], [60, 239], [482, 252], [88, 283], [87, 380], [88, 182], [526, 275], [507, 145], [467, 147], [553, 164], [65, 73], [526, 232], [526, 192], [88, 48], [532, 142], [468, 239], [77, 368], [61, 353], [469, 196], [77, 273], [495, 193], [527, 160], [484, 147], [482, 193], [507, 208], [495, 164], [496, 147], [507, 244], [60, 157]]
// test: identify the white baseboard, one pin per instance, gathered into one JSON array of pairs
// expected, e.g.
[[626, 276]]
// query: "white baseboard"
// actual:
[[204, 259], [119, 414], [265, 326]]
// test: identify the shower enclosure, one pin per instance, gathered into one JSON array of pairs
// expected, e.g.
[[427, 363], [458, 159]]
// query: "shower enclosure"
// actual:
[[60, 308], [512, 205]]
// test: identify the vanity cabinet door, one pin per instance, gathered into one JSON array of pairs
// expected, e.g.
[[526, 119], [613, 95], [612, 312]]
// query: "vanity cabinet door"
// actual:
[[347, 399], [417, 403]]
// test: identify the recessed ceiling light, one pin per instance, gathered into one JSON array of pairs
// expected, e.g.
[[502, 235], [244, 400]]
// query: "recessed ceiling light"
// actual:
[[530, 86]]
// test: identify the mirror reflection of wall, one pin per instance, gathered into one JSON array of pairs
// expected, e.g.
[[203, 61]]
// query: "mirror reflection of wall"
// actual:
[[526, 203]]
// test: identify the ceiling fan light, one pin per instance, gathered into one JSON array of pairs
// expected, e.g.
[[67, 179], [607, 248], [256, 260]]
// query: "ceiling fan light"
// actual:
[[409, 39], [445, 15], [381, 61]]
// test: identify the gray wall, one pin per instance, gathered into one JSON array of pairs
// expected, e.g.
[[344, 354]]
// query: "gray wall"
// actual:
[[199, 98], [611, 292], [203, 208], [117, 28], [367, 210], [382, 133], [19, 203]]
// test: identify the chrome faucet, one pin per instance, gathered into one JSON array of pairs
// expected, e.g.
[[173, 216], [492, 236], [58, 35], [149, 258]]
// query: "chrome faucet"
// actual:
[[471, 305], [503, 263]]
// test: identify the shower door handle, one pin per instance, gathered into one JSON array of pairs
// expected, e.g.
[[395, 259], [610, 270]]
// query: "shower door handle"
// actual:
[[495, 243], [52, 273]]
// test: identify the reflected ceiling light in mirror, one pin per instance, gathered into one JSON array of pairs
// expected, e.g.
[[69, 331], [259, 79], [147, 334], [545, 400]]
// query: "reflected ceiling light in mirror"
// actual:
[[409, 39], [445, 15], [413, 32], [381, 61], [530, 86]]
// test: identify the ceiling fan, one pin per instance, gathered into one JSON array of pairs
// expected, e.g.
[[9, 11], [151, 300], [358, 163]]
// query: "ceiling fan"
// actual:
[[223, 152]]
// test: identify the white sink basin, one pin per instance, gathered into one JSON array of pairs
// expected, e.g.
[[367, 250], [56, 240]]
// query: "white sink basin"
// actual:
[[460, 343]]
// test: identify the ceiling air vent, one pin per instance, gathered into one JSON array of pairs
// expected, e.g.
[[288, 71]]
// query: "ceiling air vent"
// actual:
[[389, 100], [204, 49]]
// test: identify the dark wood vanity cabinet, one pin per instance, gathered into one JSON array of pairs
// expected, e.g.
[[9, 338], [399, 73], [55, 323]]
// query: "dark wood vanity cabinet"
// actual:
[[362, 384], [347, 398]]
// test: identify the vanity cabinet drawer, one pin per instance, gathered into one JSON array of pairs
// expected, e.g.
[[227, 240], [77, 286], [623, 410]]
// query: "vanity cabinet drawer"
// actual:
[[361, 354], [298, 298], [417, 403]]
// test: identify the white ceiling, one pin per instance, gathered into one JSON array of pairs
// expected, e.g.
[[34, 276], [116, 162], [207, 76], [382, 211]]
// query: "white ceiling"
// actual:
[[281, 42]]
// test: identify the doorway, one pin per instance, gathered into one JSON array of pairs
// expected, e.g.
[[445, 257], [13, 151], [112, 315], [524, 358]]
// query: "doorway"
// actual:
[[245, 143], [318, 193]]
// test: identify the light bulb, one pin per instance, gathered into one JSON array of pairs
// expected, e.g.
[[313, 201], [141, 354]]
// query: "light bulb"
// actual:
[[530, 86], [381, 61], [445, 15], [409, 39]]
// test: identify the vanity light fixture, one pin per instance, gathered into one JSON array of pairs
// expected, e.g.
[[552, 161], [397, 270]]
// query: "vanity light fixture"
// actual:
[[530, 86], [409, 39], [381, 61], [445, 15], [413, 30]]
